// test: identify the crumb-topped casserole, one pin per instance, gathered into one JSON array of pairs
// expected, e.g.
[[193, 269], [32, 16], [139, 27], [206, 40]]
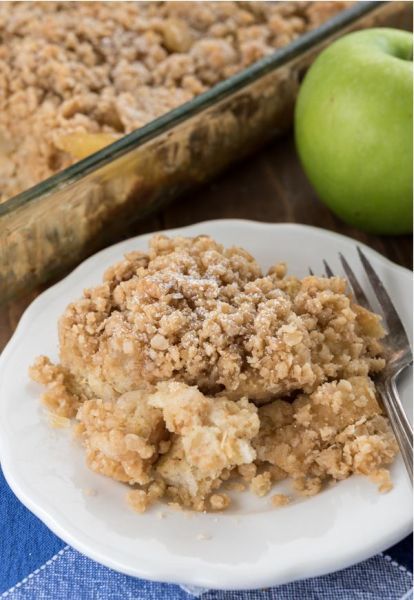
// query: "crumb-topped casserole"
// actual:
[[75, 76]]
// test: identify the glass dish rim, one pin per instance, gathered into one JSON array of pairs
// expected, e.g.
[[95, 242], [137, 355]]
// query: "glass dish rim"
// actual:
[[164, 123]]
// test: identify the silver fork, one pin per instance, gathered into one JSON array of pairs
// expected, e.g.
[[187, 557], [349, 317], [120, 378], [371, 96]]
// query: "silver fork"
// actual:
[[398, 354]]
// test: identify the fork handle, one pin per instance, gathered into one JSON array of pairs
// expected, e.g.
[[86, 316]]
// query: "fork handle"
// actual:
[[399, 421]]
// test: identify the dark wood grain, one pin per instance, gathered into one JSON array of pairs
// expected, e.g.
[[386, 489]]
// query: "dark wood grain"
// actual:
[[270, 186]]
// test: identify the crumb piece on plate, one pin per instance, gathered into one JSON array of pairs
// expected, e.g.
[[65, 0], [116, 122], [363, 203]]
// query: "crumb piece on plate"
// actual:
[[280, 500], [261, 484], [219, 501], [56, 421], [138, 500], [308, 486], [60, 397], [203, 536], [382, 478], [248, 472]]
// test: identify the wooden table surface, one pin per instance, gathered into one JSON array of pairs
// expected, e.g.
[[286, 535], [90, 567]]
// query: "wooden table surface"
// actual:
[[269, 186]]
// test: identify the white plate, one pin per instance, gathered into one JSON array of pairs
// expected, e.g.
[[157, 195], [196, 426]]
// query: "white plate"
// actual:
[[250, 546]]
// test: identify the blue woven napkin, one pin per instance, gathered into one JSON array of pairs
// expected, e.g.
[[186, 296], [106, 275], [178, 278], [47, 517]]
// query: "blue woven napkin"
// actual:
[[37, 565]]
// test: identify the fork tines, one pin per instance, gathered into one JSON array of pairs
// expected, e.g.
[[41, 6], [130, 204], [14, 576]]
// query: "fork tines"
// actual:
[[390, 314], [354, 283], [391, 317]]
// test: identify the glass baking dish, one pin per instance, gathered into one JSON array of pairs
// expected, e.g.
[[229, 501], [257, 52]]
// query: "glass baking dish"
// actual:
[[58, 222]]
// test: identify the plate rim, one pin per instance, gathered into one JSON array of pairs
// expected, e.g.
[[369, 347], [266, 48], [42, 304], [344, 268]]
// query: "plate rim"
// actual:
[[161, 572]]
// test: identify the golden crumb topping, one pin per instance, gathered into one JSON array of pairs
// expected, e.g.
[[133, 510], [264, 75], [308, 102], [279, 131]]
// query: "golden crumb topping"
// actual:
[[103, 69], [189, 367], [193, 311]]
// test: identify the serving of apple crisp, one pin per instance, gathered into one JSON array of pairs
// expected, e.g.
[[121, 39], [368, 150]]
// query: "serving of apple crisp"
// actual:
[[190, 372]]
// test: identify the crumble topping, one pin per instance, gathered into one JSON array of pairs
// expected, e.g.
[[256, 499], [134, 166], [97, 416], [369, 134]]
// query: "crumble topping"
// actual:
[[189, 367], [75, 76], [193, 311]]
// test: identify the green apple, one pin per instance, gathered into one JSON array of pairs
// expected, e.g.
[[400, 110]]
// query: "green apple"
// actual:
[[354, 129]]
